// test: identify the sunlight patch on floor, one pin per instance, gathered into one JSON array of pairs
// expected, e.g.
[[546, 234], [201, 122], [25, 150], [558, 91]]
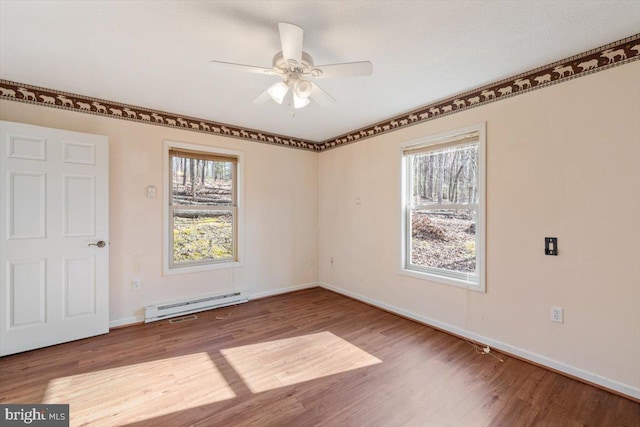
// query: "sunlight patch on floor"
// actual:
[[269, 365], [138, 392]]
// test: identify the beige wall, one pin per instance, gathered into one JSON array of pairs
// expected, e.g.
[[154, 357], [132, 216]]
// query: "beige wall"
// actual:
[[562, 161], [280, 221]]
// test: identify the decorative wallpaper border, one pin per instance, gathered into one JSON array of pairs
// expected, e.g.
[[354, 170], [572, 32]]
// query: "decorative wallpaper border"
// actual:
[[20, 92], [602, 58]]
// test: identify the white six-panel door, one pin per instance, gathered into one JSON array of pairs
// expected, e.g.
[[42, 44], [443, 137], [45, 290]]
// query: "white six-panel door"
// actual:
[[54, 206]]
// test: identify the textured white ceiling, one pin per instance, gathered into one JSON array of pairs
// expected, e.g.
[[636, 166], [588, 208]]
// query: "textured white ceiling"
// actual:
[[156, 54]]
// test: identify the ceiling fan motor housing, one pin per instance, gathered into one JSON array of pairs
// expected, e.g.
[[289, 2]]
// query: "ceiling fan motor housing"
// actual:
[[291, 66]]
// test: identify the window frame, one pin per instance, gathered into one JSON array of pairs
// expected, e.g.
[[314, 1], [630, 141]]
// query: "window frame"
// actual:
[[433, 142], [169, 268]]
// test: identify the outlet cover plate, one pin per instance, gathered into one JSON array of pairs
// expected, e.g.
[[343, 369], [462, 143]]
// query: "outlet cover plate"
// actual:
[[557, 314]]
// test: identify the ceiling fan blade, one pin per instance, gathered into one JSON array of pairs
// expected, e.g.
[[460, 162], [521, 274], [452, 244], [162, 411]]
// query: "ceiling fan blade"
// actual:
[[291, 40], [348, 69], [264, 97], [320, 96], [248, 68]]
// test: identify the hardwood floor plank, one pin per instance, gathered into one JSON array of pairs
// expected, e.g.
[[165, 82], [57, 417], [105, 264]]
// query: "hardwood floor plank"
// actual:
[[306, 358]]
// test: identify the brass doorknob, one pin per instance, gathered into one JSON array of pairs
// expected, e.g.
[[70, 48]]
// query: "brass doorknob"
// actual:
[[99, 243]]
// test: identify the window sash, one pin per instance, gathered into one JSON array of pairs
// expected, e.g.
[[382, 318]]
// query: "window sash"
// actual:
[[450, 274], [409, 154], [234, 228], [444, 206], [209, 157]]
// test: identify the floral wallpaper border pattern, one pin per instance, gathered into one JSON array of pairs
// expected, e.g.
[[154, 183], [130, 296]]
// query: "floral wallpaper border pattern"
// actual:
[[604, 57]]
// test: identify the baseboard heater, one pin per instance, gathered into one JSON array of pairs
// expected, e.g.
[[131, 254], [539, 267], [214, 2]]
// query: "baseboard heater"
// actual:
[[194, 305]]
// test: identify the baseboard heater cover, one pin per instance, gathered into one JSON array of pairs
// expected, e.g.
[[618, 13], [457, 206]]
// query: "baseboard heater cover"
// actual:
[[194, 305]]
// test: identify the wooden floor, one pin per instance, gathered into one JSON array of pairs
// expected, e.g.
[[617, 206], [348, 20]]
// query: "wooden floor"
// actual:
[[306, 358]]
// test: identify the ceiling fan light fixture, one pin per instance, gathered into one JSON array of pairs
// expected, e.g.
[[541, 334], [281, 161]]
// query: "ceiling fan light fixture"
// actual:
[[299, 102], [302, 88], [277, 91]]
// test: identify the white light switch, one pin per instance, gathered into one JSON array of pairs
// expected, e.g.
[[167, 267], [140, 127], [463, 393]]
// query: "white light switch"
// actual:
[[151, 192]]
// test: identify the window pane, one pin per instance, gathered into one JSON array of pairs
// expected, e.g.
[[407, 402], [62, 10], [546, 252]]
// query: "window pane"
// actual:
[[202, 182], [445, 176], [202, 235], [444, 239]]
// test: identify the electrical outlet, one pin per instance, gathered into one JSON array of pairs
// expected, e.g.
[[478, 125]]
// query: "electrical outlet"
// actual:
[[135, 284], [151, 192], [557, 314]]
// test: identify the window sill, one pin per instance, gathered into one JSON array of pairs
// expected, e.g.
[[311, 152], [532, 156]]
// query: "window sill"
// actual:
[[477, 287], [200, 268]]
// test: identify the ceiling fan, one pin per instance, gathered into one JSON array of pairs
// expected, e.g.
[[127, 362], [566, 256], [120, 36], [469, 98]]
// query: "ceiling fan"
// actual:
[[296, 67]]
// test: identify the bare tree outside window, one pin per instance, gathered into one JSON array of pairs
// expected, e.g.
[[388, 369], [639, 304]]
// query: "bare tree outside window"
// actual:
[[442, 207], [444, 238], [203, 203]]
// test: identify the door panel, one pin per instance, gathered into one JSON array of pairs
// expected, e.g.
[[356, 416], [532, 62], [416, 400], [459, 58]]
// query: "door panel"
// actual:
[[27, 289], [79, 153], [22, 147], [26, 199], [54, 286], [79, 206], [80, 286]]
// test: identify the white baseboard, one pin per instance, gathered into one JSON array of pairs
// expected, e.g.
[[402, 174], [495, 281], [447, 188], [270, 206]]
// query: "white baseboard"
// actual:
[[272, 292], [126, 321], [610, 384]]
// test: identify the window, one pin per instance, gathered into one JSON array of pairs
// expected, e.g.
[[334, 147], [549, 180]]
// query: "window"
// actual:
[[201, 207], [443, 202]]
